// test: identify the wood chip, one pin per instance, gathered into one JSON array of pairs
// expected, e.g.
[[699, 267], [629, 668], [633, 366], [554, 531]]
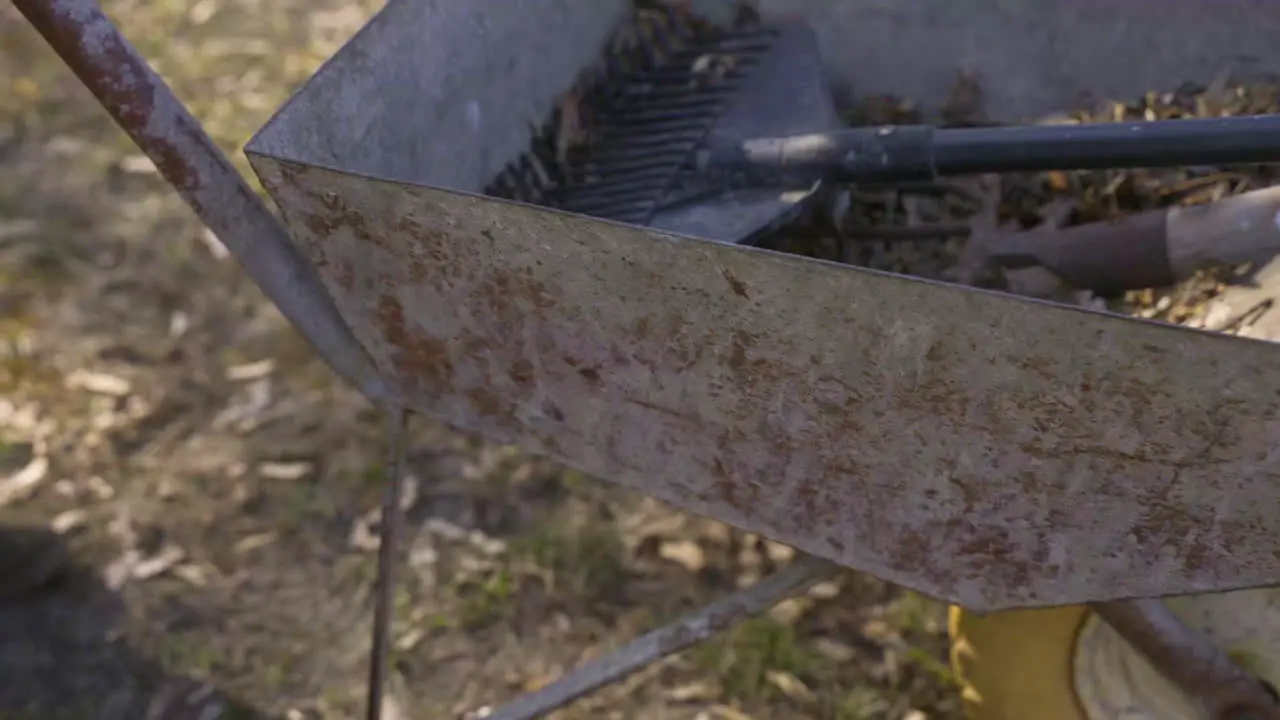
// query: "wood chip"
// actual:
[[20, 485], [100, 488], [834, 650], [250, 371], [98, 383], [410, 639], [779, 553], [249, 543], [158, 564], [215, 246], [65, 522], [686, 553], [728, 713], [789, 684], [119, 571], [790, 610], [693, 692], [284, 470], [363, 535], [138, 165], [193, 574], [825, 590]]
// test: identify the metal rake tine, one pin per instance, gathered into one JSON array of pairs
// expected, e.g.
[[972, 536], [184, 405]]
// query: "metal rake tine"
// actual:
[[693, 628], [384, 587]]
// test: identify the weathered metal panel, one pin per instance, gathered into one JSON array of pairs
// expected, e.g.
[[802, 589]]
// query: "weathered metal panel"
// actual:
[[982, 448], [1032, 56], [442, 91]]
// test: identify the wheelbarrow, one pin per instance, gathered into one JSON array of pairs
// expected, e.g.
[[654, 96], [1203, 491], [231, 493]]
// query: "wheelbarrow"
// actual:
[[1029, 462]]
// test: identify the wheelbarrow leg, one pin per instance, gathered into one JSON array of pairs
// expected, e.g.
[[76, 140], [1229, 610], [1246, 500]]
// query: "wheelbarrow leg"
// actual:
[[390, 532]]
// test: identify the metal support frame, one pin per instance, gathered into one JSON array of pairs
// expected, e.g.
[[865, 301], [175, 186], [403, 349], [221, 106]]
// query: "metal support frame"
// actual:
[[145, 108]]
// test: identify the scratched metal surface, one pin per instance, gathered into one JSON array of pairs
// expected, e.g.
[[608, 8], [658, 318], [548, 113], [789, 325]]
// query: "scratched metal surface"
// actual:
[[981, 448]]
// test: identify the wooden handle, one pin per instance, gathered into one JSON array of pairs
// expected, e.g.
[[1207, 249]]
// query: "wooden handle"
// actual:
[[1238, 229]]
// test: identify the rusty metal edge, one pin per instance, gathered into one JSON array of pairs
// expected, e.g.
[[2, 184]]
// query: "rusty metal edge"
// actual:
[[156, 120]]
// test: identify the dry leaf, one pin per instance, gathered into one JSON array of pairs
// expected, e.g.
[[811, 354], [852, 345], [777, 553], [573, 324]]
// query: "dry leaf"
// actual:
[[789, 684], [159, 563], [965, 103], [284, 470], [251, 371], [1058, 181], [65, 522], [826, 590], [192, 574], [98, 383], [693, 692], [778, 553], [834, 650], [790, 610], [249, 543], [686, 553], [20, 485]]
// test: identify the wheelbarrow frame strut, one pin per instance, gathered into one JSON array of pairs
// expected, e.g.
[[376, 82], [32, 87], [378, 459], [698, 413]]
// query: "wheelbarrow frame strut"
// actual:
[[143, 105]]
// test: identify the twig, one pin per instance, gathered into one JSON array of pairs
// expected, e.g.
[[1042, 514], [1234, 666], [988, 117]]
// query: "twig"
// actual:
[[686, 632], [384, 594]]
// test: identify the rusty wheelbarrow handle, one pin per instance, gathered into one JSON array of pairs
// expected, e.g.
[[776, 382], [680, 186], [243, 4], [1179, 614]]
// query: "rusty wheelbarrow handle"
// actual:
[[1150, 249], [144, 107], [1185, 658]]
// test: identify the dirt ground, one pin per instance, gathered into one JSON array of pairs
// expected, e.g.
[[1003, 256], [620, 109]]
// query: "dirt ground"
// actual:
[[216, 484]]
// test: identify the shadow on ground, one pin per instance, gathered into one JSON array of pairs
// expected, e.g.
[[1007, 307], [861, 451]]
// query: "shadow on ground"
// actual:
[[64, 655]]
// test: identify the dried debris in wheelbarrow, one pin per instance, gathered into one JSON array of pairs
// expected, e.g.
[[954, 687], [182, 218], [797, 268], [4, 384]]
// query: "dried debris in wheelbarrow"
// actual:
[[1188, 256]]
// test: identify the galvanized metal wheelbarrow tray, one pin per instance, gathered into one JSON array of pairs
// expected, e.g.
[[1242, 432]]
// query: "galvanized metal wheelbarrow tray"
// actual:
[[988, 450]]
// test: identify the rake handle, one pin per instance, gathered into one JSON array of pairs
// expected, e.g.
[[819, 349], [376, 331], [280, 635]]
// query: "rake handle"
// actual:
[[914, 153]]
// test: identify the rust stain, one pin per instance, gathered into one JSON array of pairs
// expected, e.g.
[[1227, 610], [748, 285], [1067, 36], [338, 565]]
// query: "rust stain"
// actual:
[[691, 418], [553, 411], [425, 243], [124, 84], [338, 214], [739, 288], [522, 373], [738, 351], [425, 360], [725, 483], [346, 276], [487, 402]]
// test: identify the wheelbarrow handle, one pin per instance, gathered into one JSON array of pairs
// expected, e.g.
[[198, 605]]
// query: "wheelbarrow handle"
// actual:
[[144, 107]]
